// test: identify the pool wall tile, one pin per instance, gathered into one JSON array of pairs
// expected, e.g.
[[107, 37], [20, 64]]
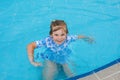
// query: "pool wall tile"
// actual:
[[109, 71]]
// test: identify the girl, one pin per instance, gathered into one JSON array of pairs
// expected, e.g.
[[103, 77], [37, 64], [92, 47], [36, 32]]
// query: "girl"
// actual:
[[57, 52]]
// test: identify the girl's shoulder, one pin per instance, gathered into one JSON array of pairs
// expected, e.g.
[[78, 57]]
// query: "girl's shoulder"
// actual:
[[48, 39], [69, 37]]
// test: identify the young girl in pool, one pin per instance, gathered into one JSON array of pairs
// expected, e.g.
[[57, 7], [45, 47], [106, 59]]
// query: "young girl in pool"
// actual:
[[57, 52]]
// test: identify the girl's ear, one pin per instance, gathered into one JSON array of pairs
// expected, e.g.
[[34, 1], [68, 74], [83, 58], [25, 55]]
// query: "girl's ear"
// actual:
[[51, 35]]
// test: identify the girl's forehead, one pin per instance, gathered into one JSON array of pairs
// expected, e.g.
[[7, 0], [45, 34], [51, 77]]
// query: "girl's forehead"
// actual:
[[59, 31], [62, 29], [58, 27], [62, 26]]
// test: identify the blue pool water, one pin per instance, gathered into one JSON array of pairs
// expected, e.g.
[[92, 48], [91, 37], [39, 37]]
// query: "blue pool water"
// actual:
[[24, 21]]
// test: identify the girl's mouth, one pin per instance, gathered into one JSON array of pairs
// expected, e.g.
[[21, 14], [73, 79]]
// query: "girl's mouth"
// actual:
[[59, 42]]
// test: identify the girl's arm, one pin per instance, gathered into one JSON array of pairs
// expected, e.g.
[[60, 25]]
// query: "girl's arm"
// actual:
[[30, 51], [81, 37], [86, 38]]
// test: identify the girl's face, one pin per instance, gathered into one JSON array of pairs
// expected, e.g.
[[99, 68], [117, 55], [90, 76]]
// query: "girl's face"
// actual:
[[59, 36]]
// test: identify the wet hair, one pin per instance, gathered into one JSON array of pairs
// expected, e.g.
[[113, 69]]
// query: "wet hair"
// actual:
[[58, 24]]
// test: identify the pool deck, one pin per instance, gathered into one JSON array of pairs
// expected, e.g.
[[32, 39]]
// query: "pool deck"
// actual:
[[109, 71]]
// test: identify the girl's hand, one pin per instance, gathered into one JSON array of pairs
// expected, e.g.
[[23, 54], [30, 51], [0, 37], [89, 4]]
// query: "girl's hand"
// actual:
[[36, 64], [88, 39]]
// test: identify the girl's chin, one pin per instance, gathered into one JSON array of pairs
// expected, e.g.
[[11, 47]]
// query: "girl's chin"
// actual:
[[59, 42]]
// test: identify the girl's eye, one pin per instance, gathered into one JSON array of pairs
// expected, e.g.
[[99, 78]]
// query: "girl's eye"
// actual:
[[56, 34], [62, 34]]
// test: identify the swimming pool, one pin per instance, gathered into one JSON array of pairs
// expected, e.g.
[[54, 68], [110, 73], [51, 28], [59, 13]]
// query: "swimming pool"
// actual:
[[24, 21]]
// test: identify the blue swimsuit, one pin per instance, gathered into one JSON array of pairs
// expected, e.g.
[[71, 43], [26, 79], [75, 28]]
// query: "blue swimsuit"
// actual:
[[54, 52]]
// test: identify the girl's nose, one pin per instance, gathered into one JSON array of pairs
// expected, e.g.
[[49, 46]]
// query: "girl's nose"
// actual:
[[59, 37]]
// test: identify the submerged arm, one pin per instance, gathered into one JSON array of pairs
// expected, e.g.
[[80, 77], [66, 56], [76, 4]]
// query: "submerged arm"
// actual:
[[30, 51], [86, 38]]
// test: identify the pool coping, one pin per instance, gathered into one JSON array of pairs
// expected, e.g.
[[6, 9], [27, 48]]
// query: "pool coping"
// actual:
[[95, 70]]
